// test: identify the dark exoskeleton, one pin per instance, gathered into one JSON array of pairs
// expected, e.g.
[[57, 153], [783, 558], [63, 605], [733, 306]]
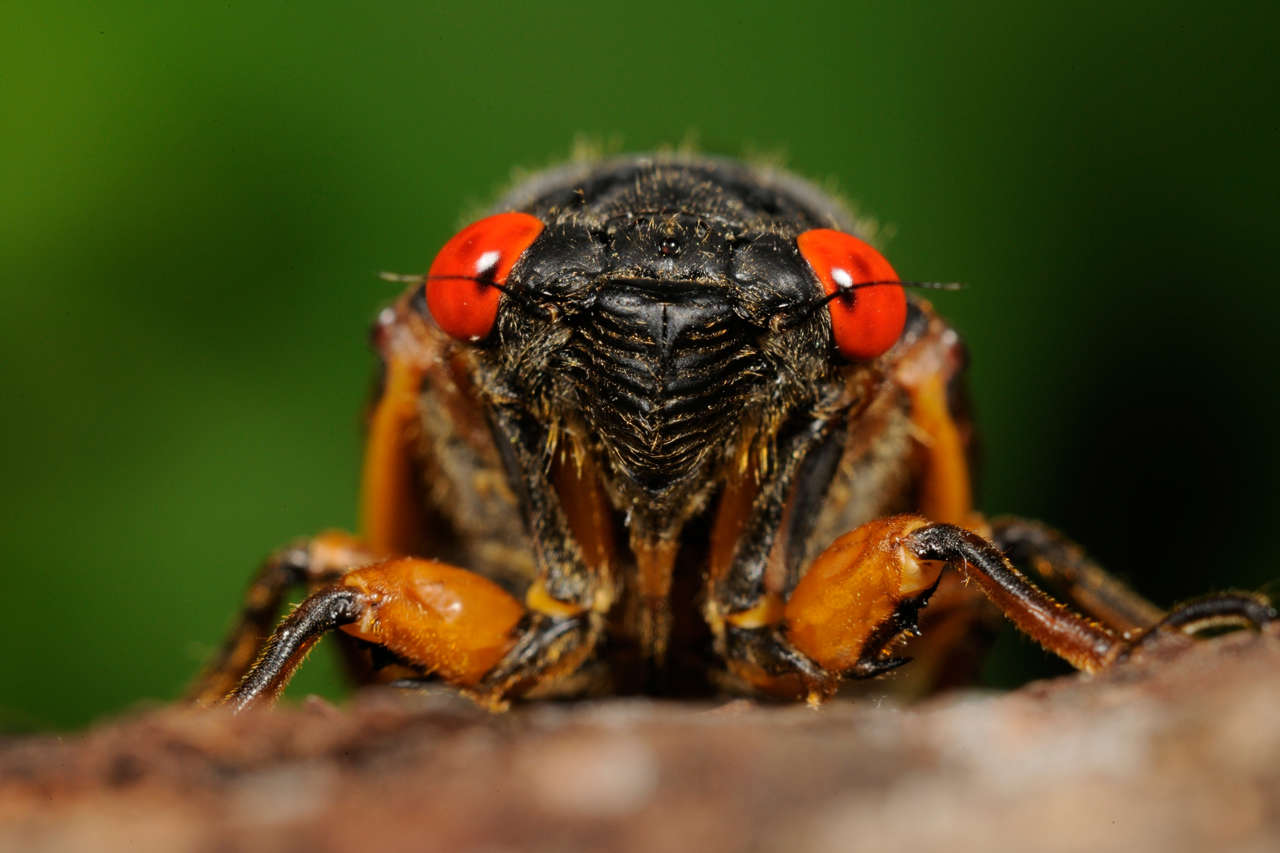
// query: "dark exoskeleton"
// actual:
[[634, 407]]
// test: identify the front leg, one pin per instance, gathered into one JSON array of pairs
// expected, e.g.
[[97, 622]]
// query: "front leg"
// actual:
[[1065, 567], [862, 595], [459, 626], [437, 619], [307, 563]]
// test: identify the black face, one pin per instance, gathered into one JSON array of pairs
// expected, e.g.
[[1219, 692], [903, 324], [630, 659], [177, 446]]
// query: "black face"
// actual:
[[662, 303]]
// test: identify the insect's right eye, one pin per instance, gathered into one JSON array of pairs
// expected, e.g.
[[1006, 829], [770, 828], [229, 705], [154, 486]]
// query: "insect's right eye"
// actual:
[[464, 284]]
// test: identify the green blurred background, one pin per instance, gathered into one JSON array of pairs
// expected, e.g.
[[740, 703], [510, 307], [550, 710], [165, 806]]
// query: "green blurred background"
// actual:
[[197, 197]]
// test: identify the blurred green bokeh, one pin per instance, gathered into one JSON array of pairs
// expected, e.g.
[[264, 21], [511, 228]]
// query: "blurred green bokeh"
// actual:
[[197, 197]]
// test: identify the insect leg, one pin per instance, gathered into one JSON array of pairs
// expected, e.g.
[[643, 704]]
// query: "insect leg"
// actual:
[[1210, 612], [436, 618], [959, 624], [930, 371], [1087, 585], [845, 617], [862, 594], [458, 625], [1065, 567], [1082, 642], [306, 563], [918, 416], [566, 515], [751, 561]]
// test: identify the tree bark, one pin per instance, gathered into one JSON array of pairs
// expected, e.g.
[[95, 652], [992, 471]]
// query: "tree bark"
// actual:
[[1179, 750]]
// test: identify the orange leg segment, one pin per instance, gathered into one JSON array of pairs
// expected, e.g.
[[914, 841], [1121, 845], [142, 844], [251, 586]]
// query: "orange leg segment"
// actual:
[[863, 593], [446, 620], [389, 517], [437, 618], [853, 588]]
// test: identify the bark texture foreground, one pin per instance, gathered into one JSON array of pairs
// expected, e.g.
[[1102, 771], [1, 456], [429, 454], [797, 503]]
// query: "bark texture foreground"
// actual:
[[1178, 751]]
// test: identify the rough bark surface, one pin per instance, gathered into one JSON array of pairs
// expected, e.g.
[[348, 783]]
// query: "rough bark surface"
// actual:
[[1177, 751]]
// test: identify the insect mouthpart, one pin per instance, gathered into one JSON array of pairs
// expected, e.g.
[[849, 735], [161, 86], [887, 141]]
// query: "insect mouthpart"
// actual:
[[660, 370]]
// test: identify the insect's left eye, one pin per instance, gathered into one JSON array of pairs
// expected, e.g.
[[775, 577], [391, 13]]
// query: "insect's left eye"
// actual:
[[464, 284], [866, 319]]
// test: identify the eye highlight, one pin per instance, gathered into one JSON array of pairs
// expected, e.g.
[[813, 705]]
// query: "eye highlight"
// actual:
[[867, 316], [464, 284]]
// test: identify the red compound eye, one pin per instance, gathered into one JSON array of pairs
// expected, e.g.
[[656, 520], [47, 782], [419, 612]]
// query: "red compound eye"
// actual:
[[465, 281], [865, 320]]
